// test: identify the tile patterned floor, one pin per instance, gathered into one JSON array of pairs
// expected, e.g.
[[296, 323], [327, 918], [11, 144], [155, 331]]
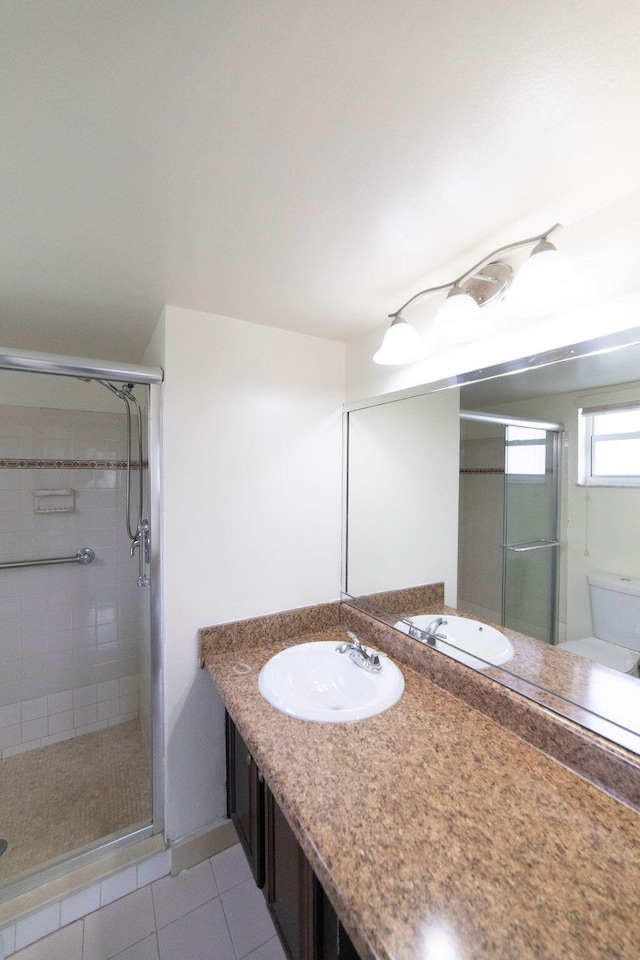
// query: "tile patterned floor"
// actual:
[[67, 796], [214, 911]]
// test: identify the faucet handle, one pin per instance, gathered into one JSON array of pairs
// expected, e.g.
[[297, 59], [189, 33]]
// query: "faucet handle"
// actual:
[[356, 643]]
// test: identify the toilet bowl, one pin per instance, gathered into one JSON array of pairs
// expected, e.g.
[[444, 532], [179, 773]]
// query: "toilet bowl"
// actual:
[[615, 620]]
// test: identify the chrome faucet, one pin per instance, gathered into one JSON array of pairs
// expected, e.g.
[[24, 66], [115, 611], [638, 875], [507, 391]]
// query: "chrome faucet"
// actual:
[[369, 660], [431, 630]]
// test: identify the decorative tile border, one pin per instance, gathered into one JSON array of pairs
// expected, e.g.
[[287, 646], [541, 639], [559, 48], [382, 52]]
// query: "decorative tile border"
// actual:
[[482, 470], [23, 464]]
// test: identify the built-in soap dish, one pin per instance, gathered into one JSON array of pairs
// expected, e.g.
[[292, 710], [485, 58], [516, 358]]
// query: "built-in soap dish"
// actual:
[[54, 501]]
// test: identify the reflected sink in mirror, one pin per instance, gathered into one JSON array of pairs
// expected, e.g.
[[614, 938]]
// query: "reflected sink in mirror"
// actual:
[[464, 636], [312, 681]]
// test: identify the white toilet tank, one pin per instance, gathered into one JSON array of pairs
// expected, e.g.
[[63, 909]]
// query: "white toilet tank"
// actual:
[[615, 608]]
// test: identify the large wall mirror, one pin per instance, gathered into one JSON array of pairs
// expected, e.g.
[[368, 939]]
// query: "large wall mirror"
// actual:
[[480, 482]]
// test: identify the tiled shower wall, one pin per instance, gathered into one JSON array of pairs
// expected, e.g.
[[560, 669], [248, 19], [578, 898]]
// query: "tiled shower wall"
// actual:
[[72, 637]]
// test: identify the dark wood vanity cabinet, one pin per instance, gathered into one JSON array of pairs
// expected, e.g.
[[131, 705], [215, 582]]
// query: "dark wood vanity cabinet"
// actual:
[[290, 889], [245, 800], [307, 924]]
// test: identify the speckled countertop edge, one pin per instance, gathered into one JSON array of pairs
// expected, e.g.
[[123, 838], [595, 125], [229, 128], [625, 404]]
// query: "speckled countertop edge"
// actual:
[[321, 807]]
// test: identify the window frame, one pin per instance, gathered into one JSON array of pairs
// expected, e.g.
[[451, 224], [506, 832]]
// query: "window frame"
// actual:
[[589, 440], [518, 476]]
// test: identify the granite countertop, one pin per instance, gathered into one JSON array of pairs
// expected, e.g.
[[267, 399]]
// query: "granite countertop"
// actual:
[[604, 700], [435, 831]]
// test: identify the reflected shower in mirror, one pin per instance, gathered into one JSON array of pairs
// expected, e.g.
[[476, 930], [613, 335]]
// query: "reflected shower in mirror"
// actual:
[[496, 508]]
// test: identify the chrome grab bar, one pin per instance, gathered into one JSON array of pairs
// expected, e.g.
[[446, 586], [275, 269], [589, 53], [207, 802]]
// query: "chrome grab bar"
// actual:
[[83, 556], [532, 545]]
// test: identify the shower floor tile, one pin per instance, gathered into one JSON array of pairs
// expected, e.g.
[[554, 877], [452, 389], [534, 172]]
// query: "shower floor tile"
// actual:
[[59, 799]]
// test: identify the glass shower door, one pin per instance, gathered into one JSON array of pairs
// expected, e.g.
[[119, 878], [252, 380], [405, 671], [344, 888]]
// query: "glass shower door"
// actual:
[[530, 545]]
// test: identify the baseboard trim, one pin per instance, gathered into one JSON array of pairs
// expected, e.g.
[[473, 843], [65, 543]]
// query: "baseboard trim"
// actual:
[[207, 843]]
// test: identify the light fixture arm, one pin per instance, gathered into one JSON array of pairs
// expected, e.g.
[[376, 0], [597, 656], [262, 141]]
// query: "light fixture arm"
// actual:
[[475, 268]]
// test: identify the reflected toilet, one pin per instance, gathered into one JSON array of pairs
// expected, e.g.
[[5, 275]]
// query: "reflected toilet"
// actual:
[[615, 620]]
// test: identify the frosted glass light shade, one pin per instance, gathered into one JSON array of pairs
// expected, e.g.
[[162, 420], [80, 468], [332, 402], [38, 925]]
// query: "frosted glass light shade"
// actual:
[[543, 281], [458, 319], [402, 344]]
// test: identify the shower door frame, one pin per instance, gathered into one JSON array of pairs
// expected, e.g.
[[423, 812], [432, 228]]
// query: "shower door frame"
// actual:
[[82, 367], [504, 420]]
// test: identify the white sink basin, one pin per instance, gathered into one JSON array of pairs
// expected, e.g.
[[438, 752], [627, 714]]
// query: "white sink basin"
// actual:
[[464, 636], [312, 681]]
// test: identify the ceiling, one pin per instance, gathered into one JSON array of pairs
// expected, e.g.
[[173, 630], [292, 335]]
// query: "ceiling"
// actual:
[[307, 165]]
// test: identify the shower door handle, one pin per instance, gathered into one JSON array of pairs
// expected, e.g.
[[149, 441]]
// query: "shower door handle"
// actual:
[[143, 543], [530, 545]]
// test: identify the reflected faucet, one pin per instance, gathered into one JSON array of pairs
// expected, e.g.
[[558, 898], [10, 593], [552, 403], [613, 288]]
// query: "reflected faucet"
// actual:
[[432, 629]]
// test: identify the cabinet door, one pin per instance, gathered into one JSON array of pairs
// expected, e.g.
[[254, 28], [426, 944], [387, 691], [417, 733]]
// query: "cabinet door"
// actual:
[[245, 800], [290, 886], [307, 924], [332, 940]]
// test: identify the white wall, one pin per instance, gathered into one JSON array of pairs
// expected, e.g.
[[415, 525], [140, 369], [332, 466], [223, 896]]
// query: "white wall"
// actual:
[[251, 512], [403, 494]]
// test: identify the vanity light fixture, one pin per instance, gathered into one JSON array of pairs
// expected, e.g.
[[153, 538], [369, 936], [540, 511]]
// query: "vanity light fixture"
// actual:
[[459, 317]]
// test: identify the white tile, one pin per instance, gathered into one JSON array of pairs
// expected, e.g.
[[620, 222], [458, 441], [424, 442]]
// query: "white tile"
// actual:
[[60, 702], [271, 950], [154, 868], [129, 704], [175, 896], [108, 709], [19, 748], [34, 709], [10, 715], [107, 633], [128, 685], [249, 922], [33, 668], [124, 718], [10, 736], [146, 949], [65, 944], [230, 867], [88, 713], [119, 885], [34, 729], [7, 940], [60, 721], [84, 695], [108, 690], [37, 925], [91, 727], [80, 904], [57, 738], [119, 925], [200, 935]]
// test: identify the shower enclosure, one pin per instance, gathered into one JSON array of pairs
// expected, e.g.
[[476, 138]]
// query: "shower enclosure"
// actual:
[[80, 666], [508, 522]]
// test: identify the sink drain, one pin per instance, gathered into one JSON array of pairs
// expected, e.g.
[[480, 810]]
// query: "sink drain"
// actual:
[[3, 846]]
